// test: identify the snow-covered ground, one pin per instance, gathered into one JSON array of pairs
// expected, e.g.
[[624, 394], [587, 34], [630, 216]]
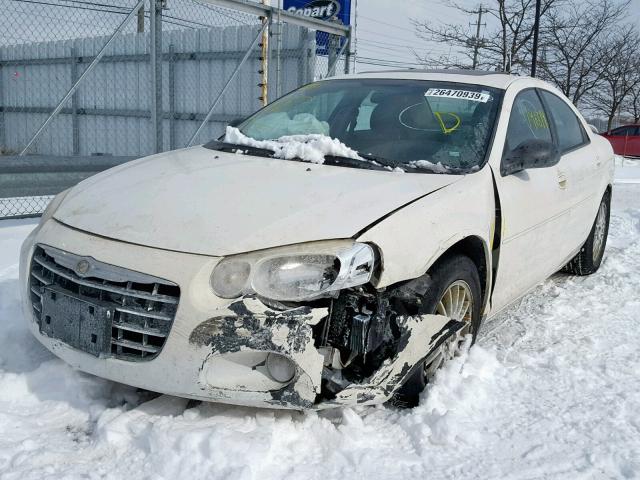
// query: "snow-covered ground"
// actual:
[[551, 390]]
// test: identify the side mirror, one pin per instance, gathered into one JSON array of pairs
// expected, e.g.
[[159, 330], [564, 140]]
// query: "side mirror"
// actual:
[[532, 153]]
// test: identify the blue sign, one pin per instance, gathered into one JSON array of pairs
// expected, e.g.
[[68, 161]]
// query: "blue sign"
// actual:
[[338, 11]]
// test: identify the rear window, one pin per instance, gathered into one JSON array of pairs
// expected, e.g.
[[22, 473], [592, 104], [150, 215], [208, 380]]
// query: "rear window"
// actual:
[[570, 132]]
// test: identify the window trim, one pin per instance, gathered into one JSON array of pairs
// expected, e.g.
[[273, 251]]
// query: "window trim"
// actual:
[[586, 140]]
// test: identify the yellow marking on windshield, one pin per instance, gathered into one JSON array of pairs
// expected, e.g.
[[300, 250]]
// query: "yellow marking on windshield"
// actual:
[[447, 130]]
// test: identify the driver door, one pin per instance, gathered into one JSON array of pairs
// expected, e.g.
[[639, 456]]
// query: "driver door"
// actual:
[[534, 206]]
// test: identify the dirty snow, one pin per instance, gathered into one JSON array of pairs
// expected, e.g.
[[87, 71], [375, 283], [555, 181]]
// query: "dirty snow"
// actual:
[[551, 390], [311, 147]]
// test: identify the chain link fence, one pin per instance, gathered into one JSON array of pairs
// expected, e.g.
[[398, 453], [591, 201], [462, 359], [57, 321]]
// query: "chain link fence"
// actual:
[[83, 81]]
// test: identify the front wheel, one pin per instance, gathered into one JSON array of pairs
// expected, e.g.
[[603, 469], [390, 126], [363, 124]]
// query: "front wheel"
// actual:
[[454, 292], [589, 258]]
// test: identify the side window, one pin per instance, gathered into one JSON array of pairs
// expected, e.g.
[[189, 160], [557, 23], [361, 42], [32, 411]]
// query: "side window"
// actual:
[[528, 120], [570, 132], [622, 132]]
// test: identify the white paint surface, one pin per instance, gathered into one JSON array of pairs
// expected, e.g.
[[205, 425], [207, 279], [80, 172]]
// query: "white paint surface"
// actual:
[[550, 391]]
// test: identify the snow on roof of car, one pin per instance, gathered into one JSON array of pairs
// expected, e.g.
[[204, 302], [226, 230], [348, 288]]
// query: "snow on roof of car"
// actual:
[[477, 77]]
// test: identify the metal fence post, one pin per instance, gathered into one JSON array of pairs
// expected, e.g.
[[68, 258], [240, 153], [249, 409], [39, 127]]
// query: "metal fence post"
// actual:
[[331, 70], [347, 53], [75, 123], [3, 145], [155, 39], [172, 97], [226, 85]]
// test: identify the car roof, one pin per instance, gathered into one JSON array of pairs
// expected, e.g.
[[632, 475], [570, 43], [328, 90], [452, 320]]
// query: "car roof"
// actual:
[[476, 77]]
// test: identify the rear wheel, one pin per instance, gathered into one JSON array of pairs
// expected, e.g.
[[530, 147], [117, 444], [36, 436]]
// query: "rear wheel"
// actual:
[[455, 293], [589, 258]]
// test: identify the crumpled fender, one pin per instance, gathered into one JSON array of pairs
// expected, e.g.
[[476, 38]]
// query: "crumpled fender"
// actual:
[[247, 325], [420, 335]]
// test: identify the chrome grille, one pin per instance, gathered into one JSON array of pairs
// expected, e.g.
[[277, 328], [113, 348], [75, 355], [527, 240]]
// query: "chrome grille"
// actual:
[[141, 308]]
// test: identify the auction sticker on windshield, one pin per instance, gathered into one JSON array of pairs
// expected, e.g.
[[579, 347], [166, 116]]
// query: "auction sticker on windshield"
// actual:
[[461, 94]]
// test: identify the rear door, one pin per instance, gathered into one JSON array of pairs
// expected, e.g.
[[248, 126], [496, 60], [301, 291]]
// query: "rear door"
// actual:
[[582, 167], [618, 138], [534, 207], [633, 143]]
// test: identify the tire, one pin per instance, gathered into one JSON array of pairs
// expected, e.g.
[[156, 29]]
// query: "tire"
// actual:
[[589, 258], [444, 274]]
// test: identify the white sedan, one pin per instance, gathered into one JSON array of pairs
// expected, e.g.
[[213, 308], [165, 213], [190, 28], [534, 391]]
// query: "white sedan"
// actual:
[[335, 248]]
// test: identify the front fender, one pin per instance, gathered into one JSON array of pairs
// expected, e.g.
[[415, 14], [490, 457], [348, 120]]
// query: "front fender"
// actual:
[[413, 238]]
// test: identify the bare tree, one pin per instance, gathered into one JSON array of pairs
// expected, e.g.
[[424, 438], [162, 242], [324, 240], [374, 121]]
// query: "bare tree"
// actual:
[[505, 47], [621, 77], [577, 44], [632, 104]]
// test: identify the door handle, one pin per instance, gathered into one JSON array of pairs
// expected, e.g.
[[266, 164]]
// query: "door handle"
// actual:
[[562, 180]]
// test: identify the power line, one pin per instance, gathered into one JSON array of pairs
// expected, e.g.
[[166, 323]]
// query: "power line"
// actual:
[[394, 56], [393, 46], [385, 23], [397, 62], [385, 35]]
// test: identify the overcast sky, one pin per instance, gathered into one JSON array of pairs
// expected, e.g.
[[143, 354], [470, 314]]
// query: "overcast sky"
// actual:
[[386, 34]]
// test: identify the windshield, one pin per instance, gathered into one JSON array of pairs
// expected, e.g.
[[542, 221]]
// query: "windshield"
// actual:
[[404, 123]]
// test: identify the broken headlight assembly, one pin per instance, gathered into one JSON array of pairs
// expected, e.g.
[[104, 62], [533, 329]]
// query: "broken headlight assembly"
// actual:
[[295, 273]]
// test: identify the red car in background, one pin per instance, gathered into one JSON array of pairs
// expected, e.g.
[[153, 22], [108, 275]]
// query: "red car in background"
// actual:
[[625, 140]]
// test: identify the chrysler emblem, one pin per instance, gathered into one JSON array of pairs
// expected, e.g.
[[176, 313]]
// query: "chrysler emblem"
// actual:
[[82, 267]]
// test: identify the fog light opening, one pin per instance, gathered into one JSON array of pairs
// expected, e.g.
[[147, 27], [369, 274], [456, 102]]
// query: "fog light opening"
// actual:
[[280, 368]]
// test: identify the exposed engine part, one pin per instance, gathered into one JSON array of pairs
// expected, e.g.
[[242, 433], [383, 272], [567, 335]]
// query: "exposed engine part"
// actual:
[[358, 339], [359, 322], [363, 330]]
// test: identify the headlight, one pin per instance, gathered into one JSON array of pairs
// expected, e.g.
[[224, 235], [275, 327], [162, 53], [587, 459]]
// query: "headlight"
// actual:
[[294, 274], [53, 206]]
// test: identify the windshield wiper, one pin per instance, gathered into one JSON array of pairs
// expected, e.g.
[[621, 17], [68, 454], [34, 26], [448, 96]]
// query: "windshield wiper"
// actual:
[[380, 160], [238, 148], [340, 161]]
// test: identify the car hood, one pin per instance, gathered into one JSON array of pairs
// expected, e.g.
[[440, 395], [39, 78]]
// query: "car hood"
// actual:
[[206, 202]]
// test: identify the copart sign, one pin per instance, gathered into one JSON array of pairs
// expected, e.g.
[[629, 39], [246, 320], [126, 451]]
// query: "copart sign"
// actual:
[[321, 9]]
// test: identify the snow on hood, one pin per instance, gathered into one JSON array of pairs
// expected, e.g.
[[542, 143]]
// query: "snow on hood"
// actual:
[[434, 167], [214, 203], [310, 147]]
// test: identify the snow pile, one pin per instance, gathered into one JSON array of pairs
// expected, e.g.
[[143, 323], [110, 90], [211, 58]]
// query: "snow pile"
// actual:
[[278, 124], [627, 170], [550, 391], [434, 167], [310, 147]]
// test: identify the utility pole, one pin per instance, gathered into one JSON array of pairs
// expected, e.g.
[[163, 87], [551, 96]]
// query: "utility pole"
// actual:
[[264, 57], [476, 45], [536, 30]]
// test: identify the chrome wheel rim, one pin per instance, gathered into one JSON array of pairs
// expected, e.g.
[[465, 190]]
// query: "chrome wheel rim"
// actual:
[[456, 303], [599, 232]]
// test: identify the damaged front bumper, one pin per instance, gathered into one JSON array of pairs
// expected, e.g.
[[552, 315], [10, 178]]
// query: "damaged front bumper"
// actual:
[[219, 350]]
